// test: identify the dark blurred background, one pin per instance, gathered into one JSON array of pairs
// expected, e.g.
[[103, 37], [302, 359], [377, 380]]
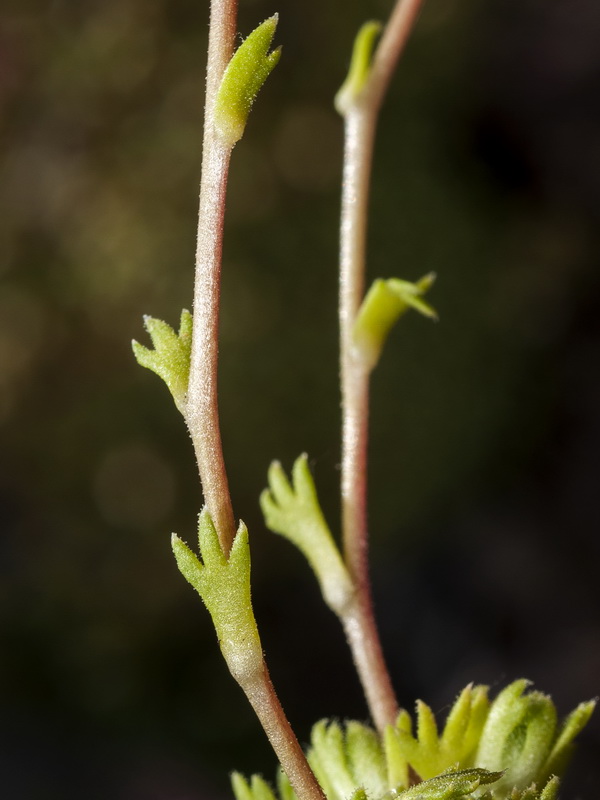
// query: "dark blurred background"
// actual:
[[485, 462]]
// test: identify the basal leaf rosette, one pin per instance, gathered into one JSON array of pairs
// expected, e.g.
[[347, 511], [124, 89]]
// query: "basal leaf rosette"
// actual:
[[508, 749]]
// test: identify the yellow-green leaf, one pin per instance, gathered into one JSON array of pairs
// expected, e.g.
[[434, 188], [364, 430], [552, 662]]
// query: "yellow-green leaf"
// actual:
[[170, 359], [385, 302], [248, 69], [223, 583], [360, 67]]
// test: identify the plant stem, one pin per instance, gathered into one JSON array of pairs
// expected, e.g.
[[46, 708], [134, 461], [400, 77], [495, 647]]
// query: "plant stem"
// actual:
[[202, 412], [264, 701], [360, 126], [389, 49], [359, 624]]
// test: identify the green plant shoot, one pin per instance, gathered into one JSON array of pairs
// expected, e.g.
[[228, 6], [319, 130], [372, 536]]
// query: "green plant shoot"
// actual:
[[249, 68], [360, 67], [511, 748], [385, 302]]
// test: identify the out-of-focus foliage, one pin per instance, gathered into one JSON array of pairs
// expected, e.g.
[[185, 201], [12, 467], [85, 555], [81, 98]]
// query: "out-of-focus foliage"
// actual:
[[360, 67], [385, 302], [291, 508], [485, 428]]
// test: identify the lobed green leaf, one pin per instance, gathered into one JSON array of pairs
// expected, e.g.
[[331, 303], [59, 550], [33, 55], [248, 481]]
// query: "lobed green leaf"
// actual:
[[429, 754], [170, 359], [223, 583], [293, 511]]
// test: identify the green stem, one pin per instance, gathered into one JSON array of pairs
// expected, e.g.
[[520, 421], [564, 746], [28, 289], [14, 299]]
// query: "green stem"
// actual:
[[360, 126]]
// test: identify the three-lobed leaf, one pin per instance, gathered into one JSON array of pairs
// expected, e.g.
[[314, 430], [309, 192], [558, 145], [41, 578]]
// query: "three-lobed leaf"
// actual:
[[293, 511], [170, 359], [428, 753], [223, 583]]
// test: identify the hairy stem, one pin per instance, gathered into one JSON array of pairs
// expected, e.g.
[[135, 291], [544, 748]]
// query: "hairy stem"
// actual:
[[202, 413], [360, 127], [360, 626], [264, 701]]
